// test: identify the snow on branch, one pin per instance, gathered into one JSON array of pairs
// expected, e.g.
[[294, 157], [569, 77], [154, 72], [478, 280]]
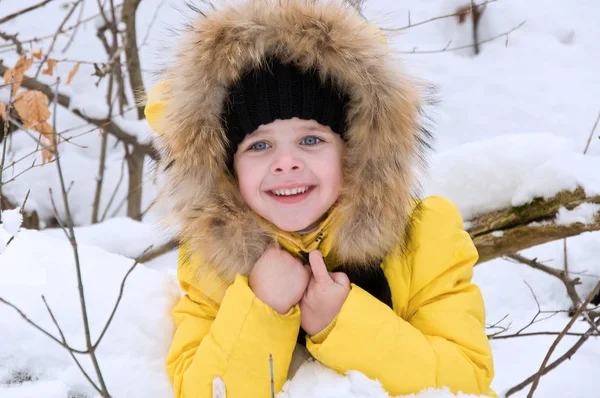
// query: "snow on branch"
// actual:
[[508, 231]]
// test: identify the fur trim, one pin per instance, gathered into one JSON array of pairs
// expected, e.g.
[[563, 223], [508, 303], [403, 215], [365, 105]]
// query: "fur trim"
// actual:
[[385, 139]]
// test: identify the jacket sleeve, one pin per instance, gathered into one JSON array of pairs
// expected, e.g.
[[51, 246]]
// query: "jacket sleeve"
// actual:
[[439, 338], [231, 340]]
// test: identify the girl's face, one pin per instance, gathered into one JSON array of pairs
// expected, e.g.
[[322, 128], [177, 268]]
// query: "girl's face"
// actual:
[[290, 172]]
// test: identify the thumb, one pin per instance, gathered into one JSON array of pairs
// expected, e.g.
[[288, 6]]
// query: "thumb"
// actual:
[[340, 278], [317, 265]]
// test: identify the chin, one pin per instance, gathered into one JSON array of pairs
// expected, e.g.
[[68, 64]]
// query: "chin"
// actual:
[[292, 225]]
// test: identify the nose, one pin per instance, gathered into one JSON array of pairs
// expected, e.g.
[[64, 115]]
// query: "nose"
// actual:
[[286, 163]]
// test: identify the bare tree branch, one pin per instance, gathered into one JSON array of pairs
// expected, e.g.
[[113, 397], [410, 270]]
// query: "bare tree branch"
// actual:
[[64, 340], [35, 325], [159, 251], [4, 140], [412, 25], [106, 124], [121, 290], [114, 194], [24, 11], [63, 31], [135, 166], [77, 25], [447, 48], [543, 369], [14, 39], [132, 55], [563, 276], [49, 51], [73, 242]]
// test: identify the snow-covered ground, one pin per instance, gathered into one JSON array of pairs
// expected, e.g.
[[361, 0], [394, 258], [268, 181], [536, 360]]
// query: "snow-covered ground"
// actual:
[[511, 125]]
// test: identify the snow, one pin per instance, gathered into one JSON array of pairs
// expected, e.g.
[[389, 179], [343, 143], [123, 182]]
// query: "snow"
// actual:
[[9, 226], [511, 125], [315, 380], [36, 264], [120, 235], [585, 213]]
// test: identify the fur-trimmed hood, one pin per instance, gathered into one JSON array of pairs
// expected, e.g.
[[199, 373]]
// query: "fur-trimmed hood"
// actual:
[[385, 140]]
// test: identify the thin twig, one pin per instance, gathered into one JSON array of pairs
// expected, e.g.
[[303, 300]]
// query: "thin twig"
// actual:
[[56, 216], [122, 288], [63, 31], [33, 166], [592, 134], [412, 25], [159, 251], [539, 374], [35, 325], [151, 24], [29, 133], [5, 137], [77, 25], [73, 241], [562, 275], [49, 51], [114, 194], [530, 334], [24, 11], [447, 48], [14, 39], [62, 336]]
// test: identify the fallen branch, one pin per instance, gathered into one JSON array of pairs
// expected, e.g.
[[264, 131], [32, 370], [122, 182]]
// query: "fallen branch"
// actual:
[[511, 230]]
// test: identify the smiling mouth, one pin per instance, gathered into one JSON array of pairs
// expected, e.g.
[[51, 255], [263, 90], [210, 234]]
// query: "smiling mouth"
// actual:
[[291, 196], [290, 192]]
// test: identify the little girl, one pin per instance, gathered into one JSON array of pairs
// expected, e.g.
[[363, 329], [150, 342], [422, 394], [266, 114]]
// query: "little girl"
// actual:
[[289, 138]]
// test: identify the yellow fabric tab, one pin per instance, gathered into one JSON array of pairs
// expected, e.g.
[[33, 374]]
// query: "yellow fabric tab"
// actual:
[[156, 106]]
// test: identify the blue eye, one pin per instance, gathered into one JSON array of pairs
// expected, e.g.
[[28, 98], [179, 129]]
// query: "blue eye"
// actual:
[[259, 146], [310, 140]]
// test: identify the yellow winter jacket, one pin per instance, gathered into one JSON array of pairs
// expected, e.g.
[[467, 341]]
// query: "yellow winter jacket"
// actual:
[[433, 337]]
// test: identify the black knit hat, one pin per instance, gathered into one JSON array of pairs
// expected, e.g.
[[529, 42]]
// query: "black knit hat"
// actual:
[[280, 91]]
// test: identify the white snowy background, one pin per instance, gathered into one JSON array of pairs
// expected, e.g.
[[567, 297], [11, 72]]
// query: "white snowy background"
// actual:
[[511, 125]]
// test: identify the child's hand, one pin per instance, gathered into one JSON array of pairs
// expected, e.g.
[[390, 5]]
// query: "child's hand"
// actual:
[[324, 296], [278, 279]]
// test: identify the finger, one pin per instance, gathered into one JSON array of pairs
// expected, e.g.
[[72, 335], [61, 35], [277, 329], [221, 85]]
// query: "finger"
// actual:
[[317, 265], [340, 278]]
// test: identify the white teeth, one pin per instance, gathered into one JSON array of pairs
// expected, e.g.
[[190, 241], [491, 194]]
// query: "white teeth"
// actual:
[[289, 192]]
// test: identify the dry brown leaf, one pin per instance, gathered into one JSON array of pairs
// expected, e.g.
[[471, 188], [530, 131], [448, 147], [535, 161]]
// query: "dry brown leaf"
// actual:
[[49, 143], [45, 128], [462, 13], [2, 111], [18, 70], [51, 63], [32, 107], [72, 73], [37, 53]]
